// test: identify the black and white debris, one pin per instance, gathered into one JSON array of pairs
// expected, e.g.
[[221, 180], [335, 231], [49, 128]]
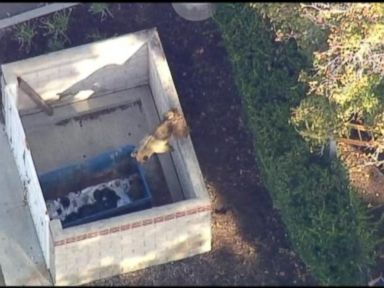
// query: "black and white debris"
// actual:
[[104, 196]]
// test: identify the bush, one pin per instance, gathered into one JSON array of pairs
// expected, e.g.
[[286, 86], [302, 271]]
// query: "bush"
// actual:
[[326, 223]]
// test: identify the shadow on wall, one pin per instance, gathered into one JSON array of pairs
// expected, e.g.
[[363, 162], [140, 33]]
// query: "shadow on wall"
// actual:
[[193, 271], [100, 80], [104, 67], [113, 77], [19, 260], [155, 252]]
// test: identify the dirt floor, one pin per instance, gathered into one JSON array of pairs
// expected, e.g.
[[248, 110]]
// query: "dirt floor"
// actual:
[[249, 245]]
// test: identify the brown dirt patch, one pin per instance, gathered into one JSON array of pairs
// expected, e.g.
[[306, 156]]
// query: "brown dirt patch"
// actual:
[[367, 179]]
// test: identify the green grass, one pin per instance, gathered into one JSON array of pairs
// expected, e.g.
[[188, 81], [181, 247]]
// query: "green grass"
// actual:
[[326, 222], [101, 9], [24, 34], [56, 26]]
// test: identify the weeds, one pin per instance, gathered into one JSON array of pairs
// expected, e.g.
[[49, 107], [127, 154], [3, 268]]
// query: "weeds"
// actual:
[[100, 9], [96, 35], [55, 44], [57, 26], [24, 34]]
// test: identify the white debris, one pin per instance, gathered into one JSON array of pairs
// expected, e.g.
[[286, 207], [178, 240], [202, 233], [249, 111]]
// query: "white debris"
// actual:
[[64, 206]]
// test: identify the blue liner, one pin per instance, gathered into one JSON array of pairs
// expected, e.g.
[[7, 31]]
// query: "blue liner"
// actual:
[[67, 175]]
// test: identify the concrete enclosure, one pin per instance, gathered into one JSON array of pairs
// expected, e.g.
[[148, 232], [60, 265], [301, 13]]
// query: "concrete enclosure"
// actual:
[[113, 92]]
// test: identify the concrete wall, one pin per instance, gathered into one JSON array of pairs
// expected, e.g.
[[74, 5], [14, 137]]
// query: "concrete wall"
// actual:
[[86, 68], [68, 138], [25, 166], [165, 97], [20, 12], [129, 242]]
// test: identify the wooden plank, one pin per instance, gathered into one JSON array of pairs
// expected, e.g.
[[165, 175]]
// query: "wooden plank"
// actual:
[[357, 142], [86, 134], [104, 66], [359, 127], [358, 132], [28, 90], [78, 108], [27, 171]]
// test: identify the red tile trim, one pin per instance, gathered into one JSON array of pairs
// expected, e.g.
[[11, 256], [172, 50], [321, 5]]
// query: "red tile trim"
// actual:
[[137, 224], [114, 230], [169, 217], [70, 240], [92, 235], [59, 243], [192, 211], [180, 214], [201, 209], [159, 219], [81, 237], [147, 222], [125, 227]]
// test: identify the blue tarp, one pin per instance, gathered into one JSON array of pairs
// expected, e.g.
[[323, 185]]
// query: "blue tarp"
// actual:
[[67, 177]]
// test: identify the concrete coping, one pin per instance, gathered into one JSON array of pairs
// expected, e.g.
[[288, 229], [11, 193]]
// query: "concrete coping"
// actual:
[[34, 13]]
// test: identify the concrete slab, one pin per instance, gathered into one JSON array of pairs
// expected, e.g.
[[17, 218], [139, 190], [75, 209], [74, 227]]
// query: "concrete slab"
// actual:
[[12, 9], [14, 13], [121, 118], [21, 258]]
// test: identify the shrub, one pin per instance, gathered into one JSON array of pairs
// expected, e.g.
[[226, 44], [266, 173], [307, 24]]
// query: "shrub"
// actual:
[[101, 9], [56, 27], [326, 222], [24, 33]]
